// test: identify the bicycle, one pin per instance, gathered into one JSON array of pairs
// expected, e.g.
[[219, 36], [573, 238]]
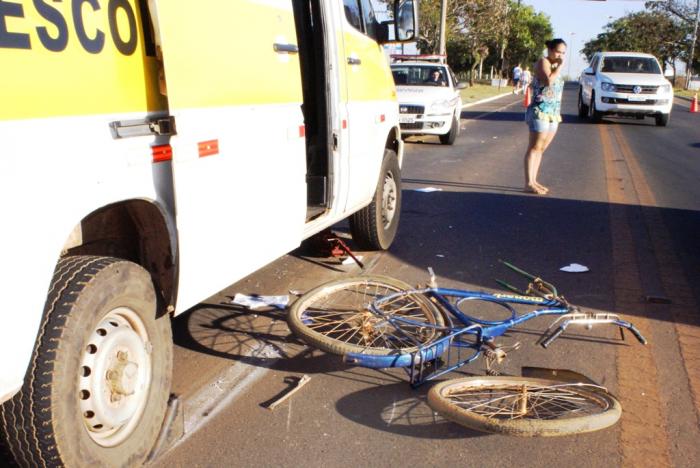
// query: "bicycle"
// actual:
[[380, 322]]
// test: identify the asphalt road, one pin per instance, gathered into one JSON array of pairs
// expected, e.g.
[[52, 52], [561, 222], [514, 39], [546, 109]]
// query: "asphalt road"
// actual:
[[624, 202]]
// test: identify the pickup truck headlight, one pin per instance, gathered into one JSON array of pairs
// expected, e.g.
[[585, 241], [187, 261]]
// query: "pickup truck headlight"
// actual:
[[665, 88], [607, 86], [441, 107]]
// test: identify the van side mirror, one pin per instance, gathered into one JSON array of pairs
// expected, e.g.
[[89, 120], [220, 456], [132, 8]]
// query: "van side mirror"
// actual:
[[405, 23], [589, 71], [461, 85], [406, 20]]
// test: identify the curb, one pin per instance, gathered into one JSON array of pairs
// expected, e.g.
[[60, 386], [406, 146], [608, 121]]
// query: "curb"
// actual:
[[492, 98]]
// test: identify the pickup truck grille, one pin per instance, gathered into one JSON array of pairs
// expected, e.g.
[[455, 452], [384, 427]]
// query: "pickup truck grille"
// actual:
[[630, 89]]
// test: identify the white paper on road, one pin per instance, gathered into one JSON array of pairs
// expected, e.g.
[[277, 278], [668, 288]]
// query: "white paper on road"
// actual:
[[350, 260], [575, 268], [256, 302], [427, 189]]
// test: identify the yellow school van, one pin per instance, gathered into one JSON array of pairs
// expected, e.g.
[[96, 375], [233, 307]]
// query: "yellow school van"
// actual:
[[153, 152]]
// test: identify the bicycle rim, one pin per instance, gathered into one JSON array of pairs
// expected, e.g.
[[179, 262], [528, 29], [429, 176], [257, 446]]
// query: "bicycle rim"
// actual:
[[524, 407], [335, 317]]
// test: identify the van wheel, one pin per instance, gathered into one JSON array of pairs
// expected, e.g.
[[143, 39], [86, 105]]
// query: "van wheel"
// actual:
[[593, 114], [374, 227], [582, 108], [450, 137], [97, 387], [662, 119]]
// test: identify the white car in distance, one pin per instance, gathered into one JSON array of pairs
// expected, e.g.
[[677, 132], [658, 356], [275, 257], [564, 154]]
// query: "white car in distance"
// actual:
[[626, 84], [429, 98]]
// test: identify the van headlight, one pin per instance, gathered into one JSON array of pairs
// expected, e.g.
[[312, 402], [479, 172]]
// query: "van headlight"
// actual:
[[664, 89], [605, 86], [441, 107]]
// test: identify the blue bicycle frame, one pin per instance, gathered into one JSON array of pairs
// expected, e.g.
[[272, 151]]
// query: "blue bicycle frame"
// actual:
[[469, 333]]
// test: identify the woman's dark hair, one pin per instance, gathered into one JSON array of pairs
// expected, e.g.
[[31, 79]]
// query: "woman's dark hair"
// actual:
[[553, 43]]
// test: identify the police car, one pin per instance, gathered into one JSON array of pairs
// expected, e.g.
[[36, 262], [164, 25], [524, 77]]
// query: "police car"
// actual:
[[428, 95]]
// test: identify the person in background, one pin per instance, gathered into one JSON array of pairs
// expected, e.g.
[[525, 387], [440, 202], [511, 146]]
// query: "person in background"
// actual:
[[543, 113], [436, 78], [517, 72], [525, 79]]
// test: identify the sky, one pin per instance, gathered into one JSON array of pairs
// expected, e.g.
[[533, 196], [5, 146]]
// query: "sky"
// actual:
[[578, 21]]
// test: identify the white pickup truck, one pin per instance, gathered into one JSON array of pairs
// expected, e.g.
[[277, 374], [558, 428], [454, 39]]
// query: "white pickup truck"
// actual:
[[625, 83]]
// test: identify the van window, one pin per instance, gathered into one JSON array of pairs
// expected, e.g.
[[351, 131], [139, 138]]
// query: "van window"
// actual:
[[352, 13], [370, 19]]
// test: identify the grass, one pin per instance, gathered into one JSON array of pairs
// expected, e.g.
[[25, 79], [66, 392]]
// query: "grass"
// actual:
[[482, 91], [684, 92]]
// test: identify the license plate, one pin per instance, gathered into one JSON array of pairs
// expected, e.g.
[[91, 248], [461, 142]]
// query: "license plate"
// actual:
[[636, 98], [403, 119]]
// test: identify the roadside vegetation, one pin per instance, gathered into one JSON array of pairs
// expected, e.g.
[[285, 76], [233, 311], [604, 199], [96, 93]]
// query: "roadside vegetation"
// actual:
[[487, 38]]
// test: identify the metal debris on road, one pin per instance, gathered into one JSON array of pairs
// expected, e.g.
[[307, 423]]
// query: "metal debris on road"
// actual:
[[299, 383]]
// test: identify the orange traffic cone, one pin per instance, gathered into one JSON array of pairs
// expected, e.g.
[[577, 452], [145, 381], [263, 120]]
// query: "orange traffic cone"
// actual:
[[694, 104], [526, 99]]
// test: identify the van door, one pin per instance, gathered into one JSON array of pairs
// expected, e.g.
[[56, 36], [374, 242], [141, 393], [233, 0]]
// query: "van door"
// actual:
[[234, 87], [371, 98]]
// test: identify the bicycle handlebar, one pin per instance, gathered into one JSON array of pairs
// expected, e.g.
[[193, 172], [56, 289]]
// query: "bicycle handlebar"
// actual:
[[589, 320]]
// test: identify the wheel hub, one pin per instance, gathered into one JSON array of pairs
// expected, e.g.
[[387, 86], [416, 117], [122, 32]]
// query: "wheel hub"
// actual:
[[115, 377], [389, 194]]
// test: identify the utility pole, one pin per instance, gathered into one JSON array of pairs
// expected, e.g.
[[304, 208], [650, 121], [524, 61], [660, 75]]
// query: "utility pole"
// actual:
[[443, 22], [689, 71]]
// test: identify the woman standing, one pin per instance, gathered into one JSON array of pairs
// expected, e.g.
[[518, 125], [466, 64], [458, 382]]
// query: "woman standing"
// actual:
[[543, 113]]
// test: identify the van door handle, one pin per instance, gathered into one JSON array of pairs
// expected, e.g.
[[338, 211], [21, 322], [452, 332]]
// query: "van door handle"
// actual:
[[354, 61], [285, 48]]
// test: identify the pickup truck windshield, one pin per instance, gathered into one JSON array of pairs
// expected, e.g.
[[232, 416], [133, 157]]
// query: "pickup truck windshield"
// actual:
[[630, 65]]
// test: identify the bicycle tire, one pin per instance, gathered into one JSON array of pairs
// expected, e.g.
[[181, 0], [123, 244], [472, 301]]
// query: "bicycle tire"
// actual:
[[335, 318], [554, 408]]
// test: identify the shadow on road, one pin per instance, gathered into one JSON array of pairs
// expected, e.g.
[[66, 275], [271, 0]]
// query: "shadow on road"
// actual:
[[462, 235]]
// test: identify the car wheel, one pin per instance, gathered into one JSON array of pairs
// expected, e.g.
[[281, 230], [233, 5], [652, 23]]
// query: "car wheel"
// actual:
[[582, 108], [450, 137], [594, 114], [662, 119]]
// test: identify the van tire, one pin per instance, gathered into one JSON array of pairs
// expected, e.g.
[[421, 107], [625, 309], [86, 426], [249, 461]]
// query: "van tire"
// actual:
[[374, 226], [450, 137], [99, 319]]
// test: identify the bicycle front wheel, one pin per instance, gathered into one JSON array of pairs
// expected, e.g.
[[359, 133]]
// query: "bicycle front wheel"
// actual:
[[524, 407], [335, 317]]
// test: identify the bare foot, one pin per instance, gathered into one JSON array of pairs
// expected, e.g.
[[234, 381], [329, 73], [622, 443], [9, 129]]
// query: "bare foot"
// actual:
[[535, 189], [541, 187]]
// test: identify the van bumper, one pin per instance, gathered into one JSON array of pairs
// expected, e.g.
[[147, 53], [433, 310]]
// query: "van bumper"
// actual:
[[620, 105]]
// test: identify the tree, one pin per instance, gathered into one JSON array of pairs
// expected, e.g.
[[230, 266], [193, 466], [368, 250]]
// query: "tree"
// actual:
[[686, 12], [529, 30]]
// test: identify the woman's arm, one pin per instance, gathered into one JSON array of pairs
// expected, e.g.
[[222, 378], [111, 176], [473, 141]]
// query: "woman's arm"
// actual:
[[547, 72]]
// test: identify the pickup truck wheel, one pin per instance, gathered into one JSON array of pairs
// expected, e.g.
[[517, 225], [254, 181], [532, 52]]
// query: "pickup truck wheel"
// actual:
[[662, 119], [593, 114], [374, 227], [450, 137], [582, 108], [97, 387]]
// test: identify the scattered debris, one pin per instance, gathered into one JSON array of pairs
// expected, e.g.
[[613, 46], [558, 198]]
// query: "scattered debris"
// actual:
[[657, 299], [255, 302], [299, 382], [440, 255], [428, 189], [575, 268], [351, 260]]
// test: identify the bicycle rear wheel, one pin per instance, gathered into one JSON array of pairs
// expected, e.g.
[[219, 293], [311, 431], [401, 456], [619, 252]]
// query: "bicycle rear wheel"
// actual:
[[524, 407], [335, 317]]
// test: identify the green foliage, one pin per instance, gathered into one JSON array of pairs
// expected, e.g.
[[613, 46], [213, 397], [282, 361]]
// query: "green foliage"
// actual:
[[479, 30]]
